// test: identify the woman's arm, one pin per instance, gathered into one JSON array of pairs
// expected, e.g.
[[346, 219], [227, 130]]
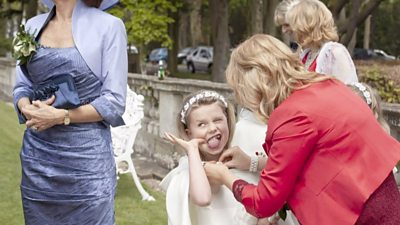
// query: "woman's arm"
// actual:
[[21, 94], [292, 143], [43, 116], [111, 104], [335, 60]]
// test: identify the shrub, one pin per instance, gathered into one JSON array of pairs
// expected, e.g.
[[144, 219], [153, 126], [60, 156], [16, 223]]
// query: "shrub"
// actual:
[[386, 88]]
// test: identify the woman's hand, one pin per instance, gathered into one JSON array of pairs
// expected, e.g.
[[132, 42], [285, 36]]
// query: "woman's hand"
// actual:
[[192, 145], [219, 173], [43, 116], [235, 158], [266, 221]]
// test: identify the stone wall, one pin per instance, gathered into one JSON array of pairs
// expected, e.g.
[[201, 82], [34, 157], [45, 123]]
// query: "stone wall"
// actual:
[[7, 78], [162, 102]]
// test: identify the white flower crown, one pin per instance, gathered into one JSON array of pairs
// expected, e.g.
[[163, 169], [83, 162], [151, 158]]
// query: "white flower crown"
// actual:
[[196, 98], [364, 91]]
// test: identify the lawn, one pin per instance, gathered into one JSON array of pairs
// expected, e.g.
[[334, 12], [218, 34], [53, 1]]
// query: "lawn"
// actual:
[[129, 207]]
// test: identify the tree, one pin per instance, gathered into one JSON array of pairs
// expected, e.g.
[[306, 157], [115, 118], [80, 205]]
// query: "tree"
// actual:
[[359, 11], [173, 31], [269, 12], [145, 21], [195, 22], [256, 16], [220, 38]]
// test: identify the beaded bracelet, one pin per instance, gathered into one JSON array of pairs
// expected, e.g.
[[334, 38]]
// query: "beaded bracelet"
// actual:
[[253, 164]]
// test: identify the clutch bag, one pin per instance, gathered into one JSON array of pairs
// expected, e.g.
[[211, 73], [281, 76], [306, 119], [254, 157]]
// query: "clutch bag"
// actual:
[[63, 88]]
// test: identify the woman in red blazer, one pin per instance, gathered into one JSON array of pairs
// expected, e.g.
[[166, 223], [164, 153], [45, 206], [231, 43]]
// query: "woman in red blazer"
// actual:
[[328, 157]]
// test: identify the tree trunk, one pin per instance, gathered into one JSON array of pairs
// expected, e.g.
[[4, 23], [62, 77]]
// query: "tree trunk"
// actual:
[[367, 32], [256, 16], [31, 9], [195, 22], [352, 23], [356, 18], [184, 26], [173, 30], [142, 56], [220, 35], [269, 12]]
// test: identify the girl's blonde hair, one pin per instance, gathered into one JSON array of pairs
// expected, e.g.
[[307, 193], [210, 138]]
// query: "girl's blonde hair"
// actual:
[[374, 100], [312, 23], [182, 120], [281, 10], [263, 72]]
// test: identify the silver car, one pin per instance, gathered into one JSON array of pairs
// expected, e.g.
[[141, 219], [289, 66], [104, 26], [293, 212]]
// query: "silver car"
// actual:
[[200, 59]]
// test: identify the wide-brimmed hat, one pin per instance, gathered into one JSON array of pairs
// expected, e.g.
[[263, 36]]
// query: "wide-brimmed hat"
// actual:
[[105, 4]]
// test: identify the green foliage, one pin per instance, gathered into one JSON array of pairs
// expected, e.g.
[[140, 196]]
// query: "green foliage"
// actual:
[[5, 45], [386, 88], [146, 20], [385, 22], [24, 45]]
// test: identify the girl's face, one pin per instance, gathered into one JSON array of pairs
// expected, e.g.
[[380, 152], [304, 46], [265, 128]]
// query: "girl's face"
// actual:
[[209, 122]]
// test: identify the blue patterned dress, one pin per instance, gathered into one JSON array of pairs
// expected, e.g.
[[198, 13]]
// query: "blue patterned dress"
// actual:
[[68, 172]]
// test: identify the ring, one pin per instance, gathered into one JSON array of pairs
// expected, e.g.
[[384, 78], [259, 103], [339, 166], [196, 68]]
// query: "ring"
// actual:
[[34, 128]]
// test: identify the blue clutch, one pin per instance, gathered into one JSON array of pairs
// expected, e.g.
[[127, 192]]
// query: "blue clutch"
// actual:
[[63, 87]]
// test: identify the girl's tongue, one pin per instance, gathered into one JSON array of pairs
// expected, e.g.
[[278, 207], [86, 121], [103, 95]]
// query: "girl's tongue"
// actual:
[[213, 142]]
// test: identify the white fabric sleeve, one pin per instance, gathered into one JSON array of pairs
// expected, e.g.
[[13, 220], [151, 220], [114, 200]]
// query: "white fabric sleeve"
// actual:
[[335, 60]]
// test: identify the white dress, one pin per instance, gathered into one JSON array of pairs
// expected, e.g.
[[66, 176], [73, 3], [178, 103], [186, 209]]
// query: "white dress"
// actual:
[[249, 135], [334, 59], [181, 211]]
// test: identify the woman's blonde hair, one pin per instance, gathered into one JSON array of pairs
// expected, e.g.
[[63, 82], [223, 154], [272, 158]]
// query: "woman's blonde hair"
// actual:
[[263, 72], [375, 102], [281, 10], [312, 23], [182, 120]]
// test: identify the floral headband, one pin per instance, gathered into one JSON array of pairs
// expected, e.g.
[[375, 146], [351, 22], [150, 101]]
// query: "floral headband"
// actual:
[[364, 91], [196, 98]]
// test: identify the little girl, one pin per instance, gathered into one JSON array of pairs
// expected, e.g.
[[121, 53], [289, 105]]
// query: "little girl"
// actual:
[[205, 124]]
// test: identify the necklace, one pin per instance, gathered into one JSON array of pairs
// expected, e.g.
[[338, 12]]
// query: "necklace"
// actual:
[[311, 56]]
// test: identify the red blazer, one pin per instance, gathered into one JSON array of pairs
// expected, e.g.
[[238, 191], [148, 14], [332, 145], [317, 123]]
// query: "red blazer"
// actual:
[[327, 155]]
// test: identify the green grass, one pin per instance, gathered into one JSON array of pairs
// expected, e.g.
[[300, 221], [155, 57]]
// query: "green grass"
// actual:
[[129, 207], [196, 76]]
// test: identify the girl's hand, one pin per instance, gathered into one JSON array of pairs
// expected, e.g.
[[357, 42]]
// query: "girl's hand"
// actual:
[[192, 145], [44, 116], [235, 158]]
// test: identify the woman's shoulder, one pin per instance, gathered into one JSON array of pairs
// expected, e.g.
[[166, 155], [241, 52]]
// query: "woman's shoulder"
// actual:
[[302, 102], [100, 17], [36, 22], [333, 47]]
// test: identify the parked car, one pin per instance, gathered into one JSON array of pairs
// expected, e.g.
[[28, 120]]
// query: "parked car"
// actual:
[[158, 54], [200, 59], [366, 54], [132, 49], [182, 54], [383, 55]]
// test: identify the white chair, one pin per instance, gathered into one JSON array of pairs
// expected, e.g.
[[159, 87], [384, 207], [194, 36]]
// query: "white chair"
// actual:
[[123, 138]]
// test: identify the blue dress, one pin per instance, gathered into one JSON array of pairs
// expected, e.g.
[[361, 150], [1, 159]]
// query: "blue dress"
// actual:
[[68, 172]]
